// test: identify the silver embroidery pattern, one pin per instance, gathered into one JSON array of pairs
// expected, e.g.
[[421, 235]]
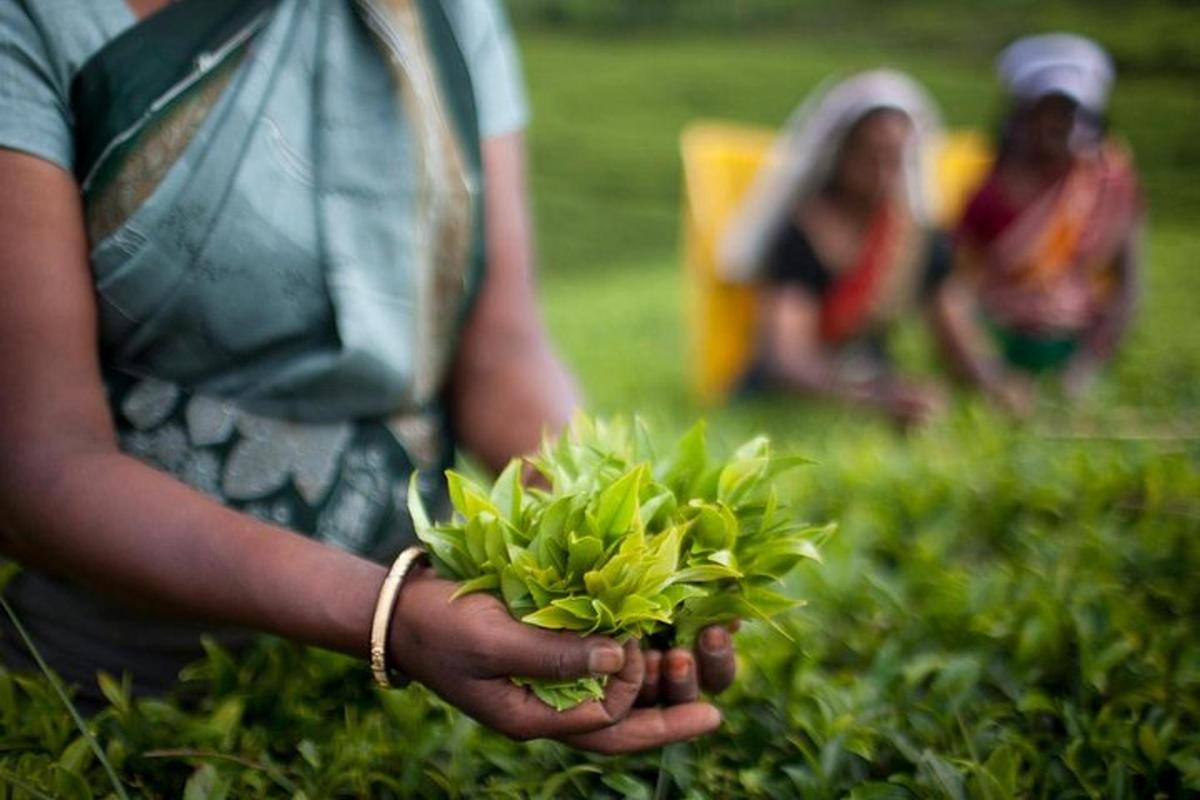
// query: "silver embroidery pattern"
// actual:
[[148, 404], [277, 513], [345, 490], [273, 451], [358, 502], [203, 473], [209, 421], [165, 447]]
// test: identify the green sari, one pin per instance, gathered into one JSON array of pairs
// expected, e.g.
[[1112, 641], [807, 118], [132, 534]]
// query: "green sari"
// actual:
[[283, 203], [283, 200]]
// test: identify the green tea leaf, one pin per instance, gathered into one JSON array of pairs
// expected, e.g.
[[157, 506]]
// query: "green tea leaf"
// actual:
[[579, 607], [556, 618], [507, 493], [661, 561], [206, 783], [623, 544], [658, 509], [687, 463], [617, 506], [700, 573], [643, 449], [513, 588], [582, 553], [479, 584], [715, 527], [467, 498]]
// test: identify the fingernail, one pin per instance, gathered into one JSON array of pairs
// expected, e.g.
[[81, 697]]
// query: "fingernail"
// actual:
[[679, 668], [713, 720], [605, 660], [653, 668], [714, 641]]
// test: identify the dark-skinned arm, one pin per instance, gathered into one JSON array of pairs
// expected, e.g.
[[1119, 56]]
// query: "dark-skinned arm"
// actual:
[[73, 505], [508, 387], [966, 347], [1100, 339], [799, 360]]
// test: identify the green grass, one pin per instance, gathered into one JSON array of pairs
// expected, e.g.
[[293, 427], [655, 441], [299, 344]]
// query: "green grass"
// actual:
[[1007, 610], [608, 112]]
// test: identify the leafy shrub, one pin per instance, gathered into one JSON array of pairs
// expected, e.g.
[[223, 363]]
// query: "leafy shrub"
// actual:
[[999, 615], [623, 543]]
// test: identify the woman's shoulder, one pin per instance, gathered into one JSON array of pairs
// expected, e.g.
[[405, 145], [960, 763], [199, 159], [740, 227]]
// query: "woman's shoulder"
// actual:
[[990, 209], [482, 30], [59, 36], [43, 43], [794, 260]]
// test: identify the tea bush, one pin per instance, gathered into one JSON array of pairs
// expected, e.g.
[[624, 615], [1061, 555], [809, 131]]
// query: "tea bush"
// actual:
[[1004, 611], [999, 615]]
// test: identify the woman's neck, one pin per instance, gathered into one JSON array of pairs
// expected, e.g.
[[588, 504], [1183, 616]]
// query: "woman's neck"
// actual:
[[856, 207], [146, 8]]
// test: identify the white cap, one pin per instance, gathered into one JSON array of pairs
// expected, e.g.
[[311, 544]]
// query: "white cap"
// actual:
[[1058, 63]]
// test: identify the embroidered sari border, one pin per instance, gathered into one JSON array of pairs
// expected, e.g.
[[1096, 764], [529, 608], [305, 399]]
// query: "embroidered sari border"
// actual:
[[144, 68]]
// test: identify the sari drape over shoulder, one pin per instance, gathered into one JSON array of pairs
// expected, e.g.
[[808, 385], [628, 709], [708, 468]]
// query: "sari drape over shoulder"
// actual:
[[283, 206], [283, 200], [1047, 268]]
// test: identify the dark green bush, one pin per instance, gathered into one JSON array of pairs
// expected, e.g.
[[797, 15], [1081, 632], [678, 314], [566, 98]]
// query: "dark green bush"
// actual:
[[1000, 615]]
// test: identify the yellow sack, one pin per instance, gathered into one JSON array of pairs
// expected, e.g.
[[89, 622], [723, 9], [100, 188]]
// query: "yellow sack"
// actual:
[[720, 161]]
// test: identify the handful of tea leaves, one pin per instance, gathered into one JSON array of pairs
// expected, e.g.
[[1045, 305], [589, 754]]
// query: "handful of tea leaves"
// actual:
[[624, 543]]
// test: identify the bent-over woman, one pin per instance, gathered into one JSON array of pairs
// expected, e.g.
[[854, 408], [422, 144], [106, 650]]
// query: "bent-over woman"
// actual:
[[1047, 249], [838, 229]]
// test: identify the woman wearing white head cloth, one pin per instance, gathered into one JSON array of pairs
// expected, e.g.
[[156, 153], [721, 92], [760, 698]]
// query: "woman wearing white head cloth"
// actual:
[[1048, 243], [837, 227]]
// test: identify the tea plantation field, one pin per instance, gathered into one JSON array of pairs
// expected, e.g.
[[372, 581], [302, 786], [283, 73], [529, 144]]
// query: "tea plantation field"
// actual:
[[1006, 610]]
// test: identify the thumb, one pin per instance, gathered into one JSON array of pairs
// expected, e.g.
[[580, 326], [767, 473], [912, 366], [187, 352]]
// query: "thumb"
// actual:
[[525, 651]]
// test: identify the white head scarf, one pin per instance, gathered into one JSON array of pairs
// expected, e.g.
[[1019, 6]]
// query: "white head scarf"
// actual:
[[806, 152], [1057, 63]]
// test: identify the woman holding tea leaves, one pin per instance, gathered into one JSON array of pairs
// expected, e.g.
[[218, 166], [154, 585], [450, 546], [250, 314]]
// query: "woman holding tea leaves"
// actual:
[[260, 260]]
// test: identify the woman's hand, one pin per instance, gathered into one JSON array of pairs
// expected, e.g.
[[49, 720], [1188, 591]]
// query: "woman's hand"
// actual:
[[1012, 393], [1080, 375], [466, 650], [911, 403], [677, 675]]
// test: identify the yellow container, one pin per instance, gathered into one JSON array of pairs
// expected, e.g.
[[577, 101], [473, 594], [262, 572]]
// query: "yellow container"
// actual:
[[720, 161]]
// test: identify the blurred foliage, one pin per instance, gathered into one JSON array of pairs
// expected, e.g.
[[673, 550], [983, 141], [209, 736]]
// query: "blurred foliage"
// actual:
[[1153, 36], [996, 618], [608, 109]]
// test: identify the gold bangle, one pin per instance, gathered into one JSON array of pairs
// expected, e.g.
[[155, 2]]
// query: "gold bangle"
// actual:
[[384, 607]]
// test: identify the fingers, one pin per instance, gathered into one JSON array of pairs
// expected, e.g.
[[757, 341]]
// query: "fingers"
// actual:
[[649, 728], [678, 676], [516, 649], [648, 695], [679, 683], [517, 712], [715, 659], [622, 689]]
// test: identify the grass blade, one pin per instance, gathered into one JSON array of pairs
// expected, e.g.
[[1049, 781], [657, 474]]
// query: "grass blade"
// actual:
[[62, 695]]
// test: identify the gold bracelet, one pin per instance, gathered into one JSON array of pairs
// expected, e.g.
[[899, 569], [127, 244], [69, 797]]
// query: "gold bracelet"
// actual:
[[384, 607]]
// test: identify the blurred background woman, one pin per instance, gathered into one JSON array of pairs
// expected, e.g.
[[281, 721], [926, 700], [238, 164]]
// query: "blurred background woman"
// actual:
[[837, 226], [1047, 247]]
